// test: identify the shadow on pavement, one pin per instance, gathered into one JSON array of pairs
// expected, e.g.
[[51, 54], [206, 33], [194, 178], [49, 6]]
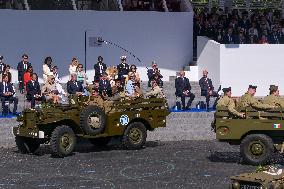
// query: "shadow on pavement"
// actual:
[[87, 147], [225, 157]]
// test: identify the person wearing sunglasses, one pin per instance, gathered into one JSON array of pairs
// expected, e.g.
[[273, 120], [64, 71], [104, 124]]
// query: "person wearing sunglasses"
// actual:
[[81, 75], [22, 67]]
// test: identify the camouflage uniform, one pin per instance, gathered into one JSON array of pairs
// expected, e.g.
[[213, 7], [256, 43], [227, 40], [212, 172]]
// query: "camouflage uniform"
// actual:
[[273, 100], [156, 92], [228, 102], [248, 100]]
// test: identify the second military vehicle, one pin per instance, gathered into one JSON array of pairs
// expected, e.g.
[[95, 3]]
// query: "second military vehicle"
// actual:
[[91, 118], [268, 177], [259, 135]]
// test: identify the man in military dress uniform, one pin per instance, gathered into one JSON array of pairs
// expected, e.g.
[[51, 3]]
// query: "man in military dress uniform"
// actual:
[[227, 101], [248, 100], [123, 67], [273, 98], [156, 91]]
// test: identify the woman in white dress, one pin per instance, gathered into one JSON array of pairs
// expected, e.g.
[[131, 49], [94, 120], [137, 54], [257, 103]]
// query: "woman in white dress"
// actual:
[[47, 68], [73, 66]]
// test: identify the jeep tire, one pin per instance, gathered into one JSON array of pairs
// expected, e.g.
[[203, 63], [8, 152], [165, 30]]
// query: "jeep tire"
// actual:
[[62, 141], [134, 136], [86, 120], [256, 149], [26, 145]]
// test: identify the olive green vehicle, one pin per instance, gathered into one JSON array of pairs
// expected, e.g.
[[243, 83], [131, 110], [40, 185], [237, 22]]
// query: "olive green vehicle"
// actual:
[[91, 118], [259, 135], [269, 177]]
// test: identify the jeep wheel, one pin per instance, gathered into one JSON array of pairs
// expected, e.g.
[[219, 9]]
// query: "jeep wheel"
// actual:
[[26, 145], [100, 142], [62, 141], [134, 136], [256, 149], [93, 120]]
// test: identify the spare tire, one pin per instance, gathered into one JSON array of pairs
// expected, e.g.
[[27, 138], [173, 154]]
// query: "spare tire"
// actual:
[[93, 120]]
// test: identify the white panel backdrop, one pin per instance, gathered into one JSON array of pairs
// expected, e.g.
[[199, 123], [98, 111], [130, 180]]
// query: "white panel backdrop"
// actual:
[[238, 66], [160, 36]]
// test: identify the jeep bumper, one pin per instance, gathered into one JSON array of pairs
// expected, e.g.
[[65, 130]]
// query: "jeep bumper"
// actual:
[[18, 131]]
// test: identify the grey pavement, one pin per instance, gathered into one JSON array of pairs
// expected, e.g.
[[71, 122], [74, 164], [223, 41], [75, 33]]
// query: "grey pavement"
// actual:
[[185, 164]]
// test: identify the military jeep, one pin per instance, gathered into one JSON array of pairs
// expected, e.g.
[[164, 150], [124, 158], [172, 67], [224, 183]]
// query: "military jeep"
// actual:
[[268, 177], [91, 118], [259, 135]]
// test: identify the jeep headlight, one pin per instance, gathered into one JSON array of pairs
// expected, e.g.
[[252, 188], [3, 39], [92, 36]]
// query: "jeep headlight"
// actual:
[[20, 118], [235, 185]]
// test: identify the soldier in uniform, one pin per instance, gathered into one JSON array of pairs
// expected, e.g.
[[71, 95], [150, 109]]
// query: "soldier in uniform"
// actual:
[[248, 100], [156, 91], [227, 101], [123, 67], [273, 98]]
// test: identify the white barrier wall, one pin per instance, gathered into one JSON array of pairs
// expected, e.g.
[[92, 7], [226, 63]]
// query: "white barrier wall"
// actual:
[[242, 65], [208, 57], [160, 36]]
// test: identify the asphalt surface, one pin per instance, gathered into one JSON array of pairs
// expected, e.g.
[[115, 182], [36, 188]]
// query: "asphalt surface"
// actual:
[[184, 164]]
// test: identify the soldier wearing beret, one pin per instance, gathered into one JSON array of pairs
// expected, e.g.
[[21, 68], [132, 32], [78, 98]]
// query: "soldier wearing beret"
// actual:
[[273, 98], [248, 100], [227, 101]]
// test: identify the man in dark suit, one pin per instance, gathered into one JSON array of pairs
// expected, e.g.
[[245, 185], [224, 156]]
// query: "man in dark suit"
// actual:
[[104, 86], [100, 68], [22, 67], [74, 87], [229, 37], [123, 67], [274, 37], [154, 74], [207, 89], [33, 91], [2, 65], [183, 88], [7, 92]]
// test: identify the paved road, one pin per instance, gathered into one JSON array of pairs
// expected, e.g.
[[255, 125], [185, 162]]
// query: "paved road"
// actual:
[[185, 164]]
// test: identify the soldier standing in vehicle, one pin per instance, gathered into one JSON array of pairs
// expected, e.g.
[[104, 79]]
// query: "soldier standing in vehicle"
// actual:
[[227, 101], [273, 98], [248, 100], [156, 91]]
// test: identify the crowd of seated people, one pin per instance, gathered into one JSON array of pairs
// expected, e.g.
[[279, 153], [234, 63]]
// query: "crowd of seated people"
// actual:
[[110, 83], [257, 27]]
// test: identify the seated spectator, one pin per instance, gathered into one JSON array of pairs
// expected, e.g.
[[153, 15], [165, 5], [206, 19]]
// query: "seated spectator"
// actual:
[[156, 91], [81, 75], [274, 37], [112, 74], [132, 90], [33, 91], [104, 85], [229, 37], [55, 74], [183, 88], [123, 67], [154, 74], [100, 67], [28, 75], [207, 89], [2, 65], [6, 71], [47, 66], [73, 66], [117, 91], [74, 87], [133, 69], [7, 92], [50, 91]]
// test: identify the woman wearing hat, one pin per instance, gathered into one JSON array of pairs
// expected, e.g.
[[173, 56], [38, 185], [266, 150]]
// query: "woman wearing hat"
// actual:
[[50, 90]]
